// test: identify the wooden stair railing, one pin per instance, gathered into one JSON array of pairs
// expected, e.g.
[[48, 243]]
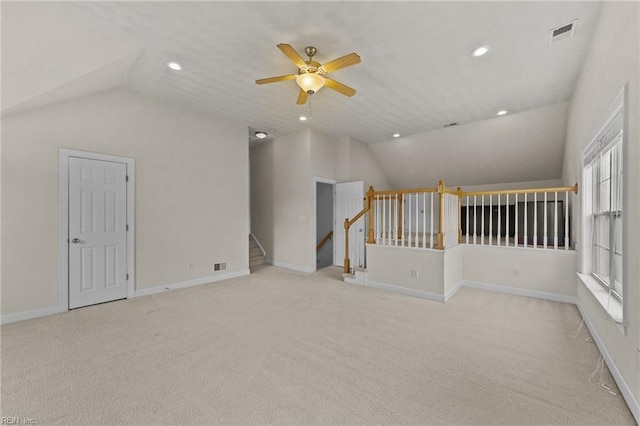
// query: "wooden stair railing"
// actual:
[[445, 202], [348, 223], [324, 240]]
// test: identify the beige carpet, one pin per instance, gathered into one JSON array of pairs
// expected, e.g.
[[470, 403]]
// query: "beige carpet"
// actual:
[[287, 347]]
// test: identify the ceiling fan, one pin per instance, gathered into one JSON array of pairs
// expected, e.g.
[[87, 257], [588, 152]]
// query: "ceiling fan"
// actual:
[[311, 75]]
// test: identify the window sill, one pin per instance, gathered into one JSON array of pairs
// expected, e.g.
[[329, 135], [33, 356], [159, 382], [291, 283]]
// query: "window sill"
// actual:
[[611, 305]]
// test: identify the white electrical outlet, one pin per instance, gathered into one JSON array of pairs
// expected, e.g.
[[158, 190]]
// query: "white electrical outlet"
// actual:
[[516, 273], [192, 266], [414, 274]]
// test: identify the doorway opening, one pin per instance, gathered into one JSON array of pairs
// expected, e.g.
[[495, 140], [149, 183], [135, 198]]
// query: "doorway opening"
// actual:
[[324, 224]]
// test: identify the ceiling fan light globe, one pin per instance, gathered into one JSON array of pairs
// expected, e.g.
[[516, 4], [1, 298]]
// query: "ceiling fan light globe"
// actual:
[[310, 82]]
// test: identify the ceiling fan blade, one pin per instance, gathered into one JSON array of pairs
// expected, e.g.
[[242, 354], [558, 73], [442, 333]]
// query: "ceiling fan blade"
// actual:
[[292, 54], [276, 79], [343, 62], [339, 87], [302, 97]]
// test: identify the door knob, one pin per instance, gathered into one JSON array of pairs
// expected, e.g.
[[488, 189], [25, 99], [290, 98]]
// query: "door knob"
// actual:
[[75, 240]]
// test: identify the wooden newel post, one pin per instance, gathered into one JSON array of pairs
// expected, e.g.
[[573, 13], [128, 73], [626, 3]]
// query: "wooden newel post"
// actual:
[[371, 239], [346, 246], [459, 193], [440, 243]]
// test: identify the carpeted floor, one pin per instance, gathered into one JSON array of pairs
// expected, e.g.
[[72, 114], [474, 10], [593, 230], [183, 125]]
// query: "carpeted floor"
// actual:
[[287, 347]]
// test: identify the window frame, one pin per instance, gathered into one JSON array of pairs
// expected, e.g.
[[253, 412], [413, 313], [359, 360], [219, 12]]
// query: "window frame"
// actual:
[[608, 296]]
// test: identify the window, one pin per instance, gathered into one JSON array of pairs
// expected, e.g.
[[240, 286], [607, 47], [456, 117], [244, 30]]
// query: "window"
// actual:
[[603, 204]]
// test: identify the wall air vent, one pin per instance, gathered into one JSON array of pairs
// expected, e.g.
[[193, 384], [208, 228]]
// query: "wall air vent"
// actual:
[[562, 32]]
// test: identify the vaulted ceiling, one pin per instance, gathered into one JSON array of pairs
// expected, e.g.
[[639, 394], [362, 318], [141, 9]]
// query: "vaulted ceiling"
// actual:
[[416, 75]]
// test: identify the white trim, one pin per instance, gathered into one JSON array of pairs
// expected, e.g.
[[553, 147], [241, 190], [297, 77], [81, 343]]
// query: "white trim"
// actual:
[[25, 315], [633, 404], [554, 297], [191, 283], [611, 305], [300, 268], [264, 253], [448, 295], [63, 220], [407, 291]]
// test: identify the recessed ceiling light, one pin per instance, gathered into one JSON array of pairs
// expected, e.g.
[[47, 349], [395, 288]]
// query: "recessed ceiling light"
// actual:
[[303, 118], [503, 112], [174, 66], [260, 135], [396, 135], [482, 50]]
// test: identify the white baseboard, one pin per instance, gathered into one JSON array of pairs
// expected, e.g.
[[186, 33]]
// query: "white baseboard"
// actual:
[[407, 291], [300, 268], [555, 297], [354, 281], [190, 283], [633, 404], [448, 295], [36, 313]]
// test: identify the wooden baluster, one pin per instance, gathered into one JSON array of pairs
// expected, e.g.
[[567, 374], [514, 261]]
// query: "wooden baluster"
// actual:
[[566, 221], [409, 224], [346, 247], [475, 219], [468, 225], [401, 218], [378, 216], [535, 220], [525, 221], [515, 235], [499, 220], [555, 222], [384, 220], [441, 189], [506, 231], [482, 223], [431, 218], [417, 222], [394, 218], [545, 237], [424, 220], [490, 219]]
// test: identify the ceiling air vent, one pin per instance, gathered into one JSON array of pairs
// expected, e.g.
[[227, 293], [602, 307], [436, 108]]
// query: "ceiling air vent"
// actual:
[[563, 32]]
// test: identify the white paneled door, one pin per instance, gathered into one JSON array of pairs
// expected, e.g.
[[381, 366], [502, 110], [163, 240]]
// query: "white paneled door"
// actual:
[[97, 231], [349, 200]]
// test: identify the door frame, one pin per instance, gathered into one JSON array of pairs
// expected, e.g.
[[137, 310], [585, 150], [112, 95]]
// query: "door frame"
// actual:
[[63, 219], [316, 180]]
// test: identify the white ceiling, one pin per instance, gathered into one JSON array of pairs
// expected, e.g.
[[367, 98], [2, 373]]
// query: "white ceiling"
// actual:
[[416, 74]]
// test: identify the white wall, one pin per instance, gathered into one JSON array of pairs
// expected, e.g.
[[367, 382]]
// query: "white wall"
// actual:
[[612, 61], [191, 189], [520, 147], [538, 270], [439, 273], [363, 165], [283, 189], [420, 271]]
